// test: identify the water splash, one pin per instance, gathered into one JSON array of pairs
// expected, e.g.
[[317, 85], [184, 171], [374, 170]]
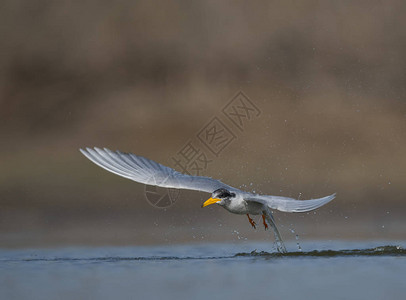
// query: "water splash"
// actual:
[[377, 251]]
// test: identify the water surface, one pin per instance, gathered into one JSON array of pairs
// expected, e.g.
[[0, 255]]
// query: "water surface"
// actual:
[[322, 270]]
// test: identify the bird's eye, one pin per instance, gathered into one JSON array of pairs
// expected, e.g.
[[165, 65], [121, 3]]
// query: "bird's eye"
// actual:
[[222, 194], [226, 195]]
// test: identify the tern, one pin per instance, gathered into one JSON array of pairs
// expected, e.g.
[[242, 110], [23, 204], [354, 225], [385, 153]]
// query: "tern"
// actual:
[[146, 171]]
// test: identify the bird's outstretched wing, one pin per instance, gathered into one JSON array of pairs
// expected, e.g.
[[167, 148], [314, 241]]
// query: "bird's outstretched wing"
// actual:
[[143, 170], [288, 204]]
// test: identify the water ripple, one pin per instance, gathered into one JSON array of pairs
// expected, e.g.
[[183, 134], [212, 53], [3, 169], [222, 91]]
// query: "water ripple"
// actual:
[[377, 251]]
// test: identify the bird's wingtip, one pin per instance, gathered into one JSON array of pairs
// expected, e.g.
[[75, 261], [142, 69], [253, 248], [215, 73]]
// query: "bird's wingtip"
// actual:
[[330, 198], [86, 150]]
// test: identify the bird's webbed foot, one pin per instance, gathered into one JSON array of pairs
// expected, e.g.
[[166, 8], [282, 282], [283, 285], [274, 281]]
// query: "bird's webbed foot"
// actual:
[[251, 221], [264, 222]]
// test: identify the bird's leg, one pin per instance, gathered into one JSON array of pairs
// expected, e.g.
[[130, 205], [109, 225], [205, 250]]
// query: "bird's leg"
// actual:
[[263, 221], [251, 221]]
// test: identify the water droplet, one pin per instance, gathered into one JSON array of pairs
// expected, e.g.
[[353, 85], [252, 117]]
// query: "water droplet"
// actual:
[[297, 243]]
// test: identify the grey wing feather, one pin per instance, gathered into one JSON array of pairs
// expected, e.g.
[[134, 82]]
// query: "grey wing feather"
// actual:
[[143, 170], [289, 204]]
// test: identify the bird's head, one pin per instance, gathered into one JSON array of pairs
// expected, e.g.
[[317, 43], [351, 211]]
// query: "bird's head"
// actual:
[[221, 197]]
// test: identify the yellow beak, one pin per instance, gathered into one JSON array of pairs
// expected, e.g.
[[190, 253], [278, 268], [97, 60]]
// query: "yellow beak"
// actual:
[[211, 201]]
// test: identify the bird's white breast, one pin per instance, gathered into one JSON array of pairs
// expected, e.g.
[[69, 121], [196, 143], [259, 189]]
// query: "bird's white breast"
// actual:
[[238, 205]]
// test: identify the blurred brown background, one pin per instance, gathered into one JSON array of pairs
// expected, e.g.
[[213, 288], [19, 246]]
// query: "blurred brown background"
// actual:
[[144, 77]]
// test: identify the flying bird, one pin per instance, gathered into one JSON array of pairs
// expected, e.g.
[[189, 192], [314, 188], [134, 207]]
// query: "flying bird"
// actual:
[[146, 171]]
